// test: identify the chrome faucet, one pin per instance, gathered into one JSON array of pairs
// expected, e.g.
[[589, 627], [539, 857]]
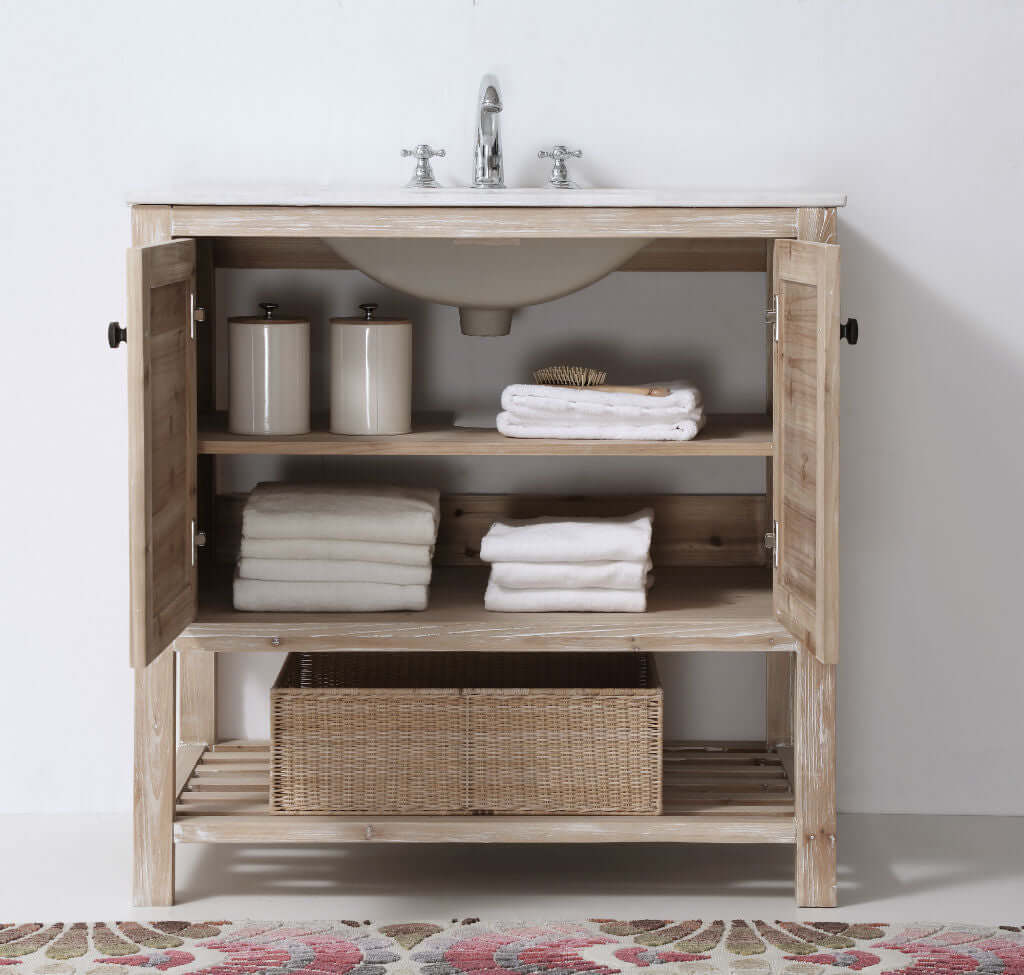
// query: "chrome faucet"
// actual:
[[488, 167]]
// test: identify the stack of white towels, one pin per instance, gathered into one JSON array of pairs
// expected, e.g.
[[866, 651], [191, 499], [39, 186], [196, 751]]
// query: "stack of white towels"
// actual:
[[568, 413], [565, 565], [336, 548]]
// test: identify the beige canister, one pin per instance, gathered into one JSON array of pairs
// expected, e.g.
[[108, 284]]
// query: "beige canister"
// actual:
[[269, 374], [371, 374]]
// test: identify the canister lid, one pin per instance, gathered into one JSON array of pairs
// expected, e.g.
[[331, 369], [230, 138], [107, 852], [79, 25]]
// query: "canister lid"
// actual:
[[370, 315], [269, 307]]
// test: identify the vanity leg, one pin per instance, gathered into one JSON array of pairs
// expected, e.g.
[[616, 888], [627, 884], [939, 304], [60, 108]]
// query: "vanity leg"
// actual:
[[814, 725], [197, 676], [154, 784]]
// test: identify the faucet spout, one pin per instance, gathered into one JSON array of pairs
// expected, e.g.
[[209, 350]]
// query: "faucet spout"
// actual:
[[488, 166]]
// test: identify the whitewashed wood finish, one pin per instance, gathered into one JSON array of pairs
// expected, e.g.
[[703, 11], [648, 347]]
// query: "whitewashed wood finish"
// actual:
[[482, 222], [150, 225], [516, 196], [714, 793], [815, 781], [817, 224], [154, 784], [186, 759], [715, 610], [672, 254], [806, 418], [778, 692], [726, 435], [197, 698], [162, 444]]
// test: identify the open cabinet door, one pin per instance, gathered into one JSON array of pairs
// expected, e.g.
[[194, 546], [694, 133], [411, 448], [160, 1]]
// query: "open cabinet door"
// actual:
[[162, 443], [806, 419]]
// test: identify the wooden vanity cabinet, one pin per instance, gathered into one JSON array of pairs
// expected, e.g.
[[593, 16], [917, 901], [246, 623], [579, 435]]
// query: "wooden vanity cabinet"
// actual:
[[764, 567]]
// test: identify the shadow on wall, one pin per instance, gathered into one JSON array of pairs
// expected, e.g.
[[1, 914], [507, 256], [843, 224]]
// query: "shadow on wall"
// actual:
[[931, 544]]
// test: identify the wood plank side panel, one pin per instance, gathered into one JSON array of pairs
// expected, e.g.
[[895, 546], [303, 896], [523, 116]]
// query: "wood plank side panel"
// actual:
[[815, 771], [154, 785], [482, 222], [197, 673]]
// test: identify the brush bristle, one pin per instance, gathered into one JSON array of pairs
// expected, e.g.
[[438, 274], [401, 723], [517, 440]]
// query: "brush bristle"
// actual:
[[569, 376]]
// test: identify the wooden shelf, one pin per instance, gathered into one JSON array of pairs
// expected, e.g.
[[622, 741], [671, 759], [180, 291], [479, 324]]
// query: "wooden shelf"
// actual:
[[725, 435], [719, 609], [722, 792]]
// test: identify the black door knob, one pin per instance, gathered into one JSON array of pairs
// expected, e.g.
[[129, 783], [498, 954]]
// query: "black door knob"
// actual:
[[116, 335], [849, 330]]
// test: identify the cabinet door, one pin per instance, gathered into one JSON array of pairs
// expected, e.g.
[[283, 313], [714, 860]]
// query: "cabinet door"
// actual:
[[162, 404], [806, 419]]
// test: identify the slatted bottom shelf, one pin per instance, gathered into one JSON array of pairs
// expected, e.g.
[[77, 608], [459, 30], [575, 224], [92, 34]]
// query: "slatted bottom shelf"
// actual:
[[714, 792]]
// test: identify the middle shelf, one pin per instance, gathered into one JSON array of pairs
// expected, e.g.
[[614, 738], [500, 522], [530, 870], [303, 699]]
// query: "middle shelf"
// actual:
[[690, 609], [725, 435]]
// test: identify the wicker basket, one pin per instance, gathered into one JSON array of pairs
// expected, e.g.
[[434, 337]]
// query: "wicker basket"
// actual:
[[449, 733]]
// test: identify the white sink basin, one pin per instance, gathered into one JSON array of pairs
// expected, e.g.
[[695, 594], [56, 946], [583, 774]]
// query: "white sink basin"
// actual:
[[487, 279]]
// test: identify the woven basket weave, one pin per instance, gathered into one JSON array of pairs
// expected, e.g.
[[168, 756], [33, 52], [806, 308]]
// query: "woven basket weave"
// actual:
[[450, 733]]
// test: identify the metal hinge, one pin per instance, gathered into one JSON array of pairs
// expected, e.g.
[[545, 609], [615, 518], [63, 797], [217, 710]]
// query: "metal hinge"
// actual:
[[198, 540], [771, 542], [196, 314], [771, 316]]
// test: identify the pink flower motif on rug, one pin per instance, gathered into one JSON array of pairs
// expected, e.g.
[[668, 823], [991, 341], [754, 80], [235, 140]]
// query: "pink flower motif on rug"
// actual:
[[644, 957]]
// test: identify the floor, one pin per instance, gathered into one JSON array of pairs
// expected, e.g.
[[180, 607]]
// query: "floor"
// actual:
[[892, 868]]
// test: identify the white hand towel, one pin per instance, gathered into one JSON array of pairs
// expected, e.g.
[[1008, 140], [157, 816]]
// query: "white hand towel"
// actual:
[[629, 407], [327, 570], [610, 415], [373, 513], [258, 595], [570, 575], [501, 600], [569, 539], [510, 426], [345, 550]]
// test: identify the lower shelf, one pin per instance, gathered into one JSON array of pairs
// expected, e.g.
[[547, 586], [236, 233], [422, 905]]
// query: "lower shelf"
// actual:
[[714, 792]]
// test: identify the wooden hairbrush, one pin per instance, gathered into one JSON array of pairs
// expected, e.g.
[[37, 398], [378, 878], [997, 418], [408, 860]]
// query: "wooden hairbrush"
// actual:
[[582, 377]]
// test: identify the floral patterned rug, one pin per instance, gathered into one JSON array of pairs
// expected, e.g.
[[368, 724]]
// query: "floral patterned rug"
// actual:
[[469, 946]]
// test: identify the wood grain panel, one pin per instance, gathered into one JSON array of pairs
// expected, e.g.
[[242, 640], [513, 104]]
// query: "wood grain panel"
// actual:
[[482, 222], [806, 418], [162, 444]]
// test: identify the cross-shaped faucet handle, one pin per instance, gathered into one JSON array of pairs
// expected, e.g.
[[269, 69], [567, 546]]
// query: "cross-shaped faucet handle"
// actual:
[[559, 174], [423, 175]]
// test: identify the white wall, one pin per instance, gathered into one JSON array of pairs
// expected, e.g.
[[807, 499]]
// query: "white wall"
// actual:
[[913, 108]]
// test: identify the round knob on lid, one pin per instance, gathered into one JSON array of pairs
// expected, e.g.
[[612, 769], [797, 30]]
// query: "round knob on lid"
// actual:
[[368, 310], [269, 307]]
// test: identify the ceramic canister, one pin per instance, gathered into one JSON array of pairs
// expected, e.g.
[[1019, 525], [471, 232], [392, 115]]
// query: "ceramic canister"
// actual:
[[371, 374], [269, 374]]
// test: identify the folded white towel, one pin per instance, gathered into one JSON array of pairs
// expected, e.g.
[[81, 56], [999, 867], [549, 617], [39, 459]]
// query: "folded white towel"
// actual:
[[333, 570], [609, 416], [510, 426], [501, 600], [259, 595], [395, 553], [569, 539], [571, 575], [374, 513], [626, 408]]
